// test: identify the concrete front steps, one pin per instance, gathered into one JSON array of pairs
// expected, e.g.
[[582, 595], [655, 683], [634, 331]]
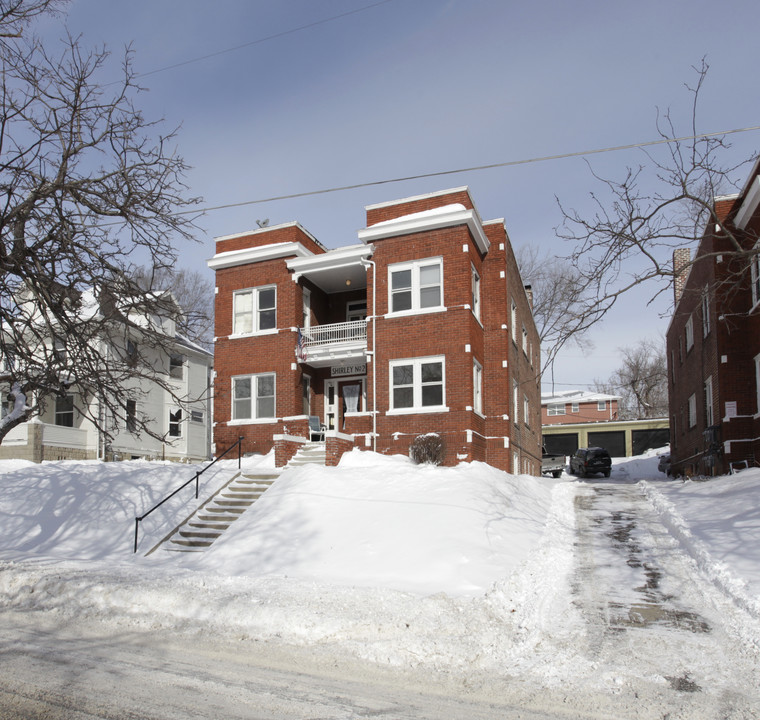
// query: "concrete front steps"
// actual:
[[210, 521], [311, 453]]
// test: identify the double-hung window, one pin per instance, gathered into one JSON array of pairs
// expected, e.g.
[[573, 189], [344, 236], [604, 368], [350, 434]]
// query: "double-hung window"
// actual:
[[417, 384], [415, 286], [254, 310], [555, 409], [708, 402], [689, 333], [705, 312], [475, 293], [175, 423], [692, 410], [64, 410], [253, 397], [477, 387]]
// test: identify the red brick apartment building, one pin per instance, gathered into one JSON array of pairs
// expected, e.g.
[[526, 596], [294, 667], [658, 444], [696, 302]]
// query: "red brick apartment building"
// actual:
[[578, 406], [713, 342], [424, 326]]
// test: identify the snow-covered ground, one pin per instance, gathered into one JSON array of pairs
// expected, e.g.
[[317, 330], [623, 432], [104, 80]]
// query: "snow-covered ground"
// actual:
[[464, 571]]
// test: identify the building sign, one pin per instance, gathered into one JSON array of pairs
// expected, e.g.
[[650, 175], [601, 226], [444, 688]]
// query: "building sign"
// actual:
[[346, 370]]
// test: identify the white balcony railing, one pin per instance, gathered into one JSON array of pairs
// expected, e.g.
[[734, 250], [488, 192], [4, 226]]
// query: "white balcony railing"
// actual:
[[324, 335]]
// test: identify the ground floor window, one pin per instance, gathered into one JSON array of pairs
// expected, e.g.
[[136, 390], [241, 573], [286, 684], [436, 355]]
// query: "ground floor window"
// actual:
[[175, 423], [417, 384], [64, 410], [253, 397]]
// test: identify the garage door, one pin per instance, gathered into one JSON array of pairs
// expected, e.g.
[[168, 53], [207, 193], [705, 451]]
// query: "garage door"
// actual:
[[613, 442], [564, 444], [644, 440]]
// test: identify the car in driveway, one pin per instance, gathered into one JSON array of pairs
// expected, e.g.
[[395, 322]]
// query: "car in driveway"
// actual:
[[590, 461]]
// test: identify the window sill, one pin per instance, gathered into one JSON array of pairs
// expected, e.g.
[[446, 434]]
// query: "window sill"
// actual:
[[253, 421], [273, 331], [417, 411], [412, 313]]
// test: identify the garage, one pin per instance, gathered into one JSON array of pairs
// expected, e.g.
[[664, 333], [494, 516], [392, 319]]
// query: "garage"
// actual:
[[612, 441]]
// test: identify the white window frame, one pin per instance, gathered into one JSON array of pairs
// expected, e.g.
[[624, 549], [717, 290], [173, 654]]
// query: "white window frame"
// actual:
[[554, 409], [254, 410], [526, 411], [305, 308], [197, 416], [177, 366], [415, 288], [755, 272], [575, 407], [525, 340], [689, 333], [601, 405], [254, 313], [515, 401], [416, 385], [705, 312], [475, 292], [175, 419], [513, 319], [692, 410], [708, 402], [477, 387], [64, 412]]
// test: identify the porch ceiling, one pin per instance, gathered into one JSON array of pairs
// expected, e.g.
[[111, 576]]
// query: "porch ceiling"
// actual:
[[334, 271]]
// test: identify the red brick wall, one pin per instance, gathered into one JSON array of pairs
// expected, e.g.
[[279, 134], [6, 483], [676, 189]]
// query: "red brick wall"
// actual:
[[399, 209], [587, 412]]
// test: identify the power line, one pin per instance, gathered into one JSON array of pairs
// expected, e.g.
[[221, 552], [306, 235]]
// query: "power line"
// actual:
[[262, 39], [474, 168]]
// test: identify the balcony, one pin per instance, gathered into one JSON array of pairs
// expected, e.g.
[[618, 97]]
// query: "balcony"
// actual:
[[324, 345]]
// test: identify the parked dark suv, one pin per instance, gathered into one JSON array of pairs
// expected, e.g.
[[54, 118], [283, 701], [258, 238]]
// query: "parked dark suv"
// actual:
[[590, 460]]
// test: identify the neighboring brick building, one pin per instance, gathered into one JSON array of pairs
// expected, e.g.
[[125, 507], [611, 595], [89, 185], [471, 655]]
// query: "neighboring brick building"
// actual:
[[713, 342], [577, 406], [422, 327]]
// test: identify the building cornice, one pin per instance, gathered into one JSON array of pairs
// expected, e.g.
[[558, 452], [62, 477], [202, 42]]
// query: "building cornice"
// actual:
[[426, 221], [231, 258]]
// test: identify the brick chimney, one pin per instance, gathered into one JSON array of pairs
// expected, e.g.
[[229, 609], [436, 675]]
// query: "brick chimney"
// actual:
[[681, 267], [529, 293]]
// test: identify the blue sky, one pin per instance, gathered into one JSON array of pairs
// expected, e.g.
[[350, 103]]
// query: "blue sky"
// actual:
[[407, 87]]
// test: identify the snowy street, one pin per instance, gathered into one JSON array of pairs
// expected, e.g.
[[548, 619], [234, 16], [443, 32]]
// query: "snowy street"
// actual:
[[382, 589]]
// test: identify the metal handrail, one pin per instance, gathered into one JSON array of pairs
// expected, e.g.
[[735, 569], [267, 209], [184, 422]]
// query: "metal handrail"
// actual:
[[317, 335], [238, 444]]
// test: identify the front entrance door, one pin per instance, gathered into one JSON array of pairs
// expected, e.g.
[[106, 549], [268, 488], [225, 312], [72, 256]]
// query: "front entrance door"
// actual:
[[342, 396]]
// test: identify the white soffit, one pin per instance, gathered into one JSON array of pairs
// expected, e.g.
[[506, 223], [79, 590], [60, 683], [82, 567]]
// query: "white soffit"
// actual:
[[429, 220]]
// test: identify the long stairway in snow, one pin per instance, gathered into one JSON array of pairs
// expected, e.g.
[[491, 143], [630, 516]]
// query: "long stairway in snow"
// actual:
[[210, 521]]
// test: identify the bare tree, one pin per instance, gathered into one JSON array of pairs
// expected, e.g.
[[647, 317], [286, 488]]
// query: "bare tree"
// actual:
[[663, 204], [559, 302], [193, 293], [641, 381], [86, 183]]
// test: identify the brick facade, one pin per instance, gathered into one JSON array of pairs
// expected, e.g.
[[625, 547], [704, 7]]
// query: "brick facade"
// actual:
[[712, 344], [458, 337]]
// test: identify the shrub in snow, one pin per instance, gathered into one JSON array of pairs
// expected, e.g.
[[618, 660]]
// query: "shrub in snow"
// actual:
[[427, 449]]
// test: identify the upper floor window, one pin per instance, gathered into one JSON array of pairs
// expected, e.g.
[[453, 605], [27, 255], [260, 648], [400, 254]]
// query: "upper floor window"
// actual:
[[131, 415], [601, 405], [757, 384], [59, 349], [475, 293], [689, 333], [555, 409], [254, 310], [417, 384], [513, 321], [515, 401], [575, 407], [306, 308], [176, 366], [525, 340], [526, 410], [755, 268], [416, 286], [253, 397], [705, 313]]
